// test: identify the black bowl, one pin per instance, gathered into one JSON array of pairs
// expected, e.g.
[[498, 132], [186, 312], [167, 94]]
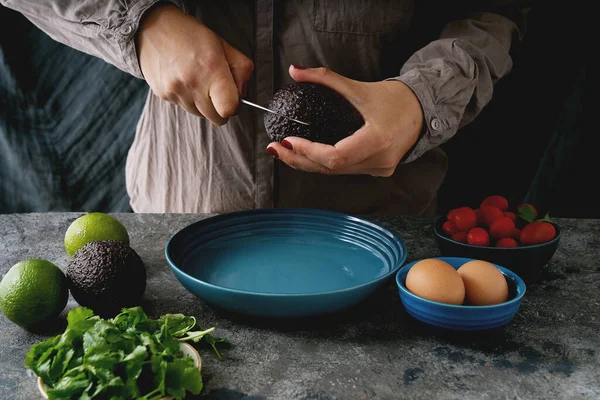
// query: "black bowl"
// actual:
[[526, 261]]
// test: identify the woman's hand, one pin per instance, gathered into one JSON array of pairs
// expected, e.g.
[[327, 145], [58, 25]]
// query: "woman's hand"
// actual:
[[187, 64], [393, 120]]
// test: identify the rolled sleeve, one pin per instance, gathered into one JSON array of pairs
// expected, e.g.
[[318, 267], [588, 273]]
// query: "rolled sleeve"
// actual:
[[104, 29], [127, 29], [453, 77], [435, 128]]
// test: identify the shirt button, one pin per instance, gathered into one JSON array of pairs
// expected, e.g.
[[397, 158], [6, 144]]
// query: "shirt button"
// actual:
[[436, 124], [126, 29]]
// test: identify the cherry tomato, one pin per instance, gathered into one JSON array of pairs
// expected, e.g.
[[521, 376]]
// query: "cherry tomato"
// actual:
[[460, 237], [488, 215], [495, 201], [479, 216], [451, 213], [478, 237], [507, 242], [516, 234], [449, 228], [464, 219], [510, 215], [502, 228], [536, 233]]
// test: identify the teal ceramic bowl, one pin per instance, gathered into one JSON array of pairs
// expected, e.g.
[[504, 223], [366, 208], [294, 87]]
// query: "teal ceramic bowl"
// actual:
[[284, 262], [527, 261], [462, 317]]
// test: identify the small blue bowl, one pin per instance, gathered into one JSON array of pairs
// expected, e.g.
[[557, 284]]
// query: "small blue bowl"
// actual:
[[462, 317], [284, 262]]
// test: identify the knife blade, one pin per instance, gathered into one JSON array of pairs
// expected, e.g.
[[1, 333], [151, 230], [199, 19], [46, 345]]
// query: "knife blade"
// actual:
[[273, 112]]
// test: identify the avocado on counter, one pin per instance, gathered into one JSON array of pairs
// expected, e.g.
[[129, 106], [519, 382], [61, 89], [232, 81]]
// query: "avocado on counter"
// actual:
[[106, 276], [331, 116]]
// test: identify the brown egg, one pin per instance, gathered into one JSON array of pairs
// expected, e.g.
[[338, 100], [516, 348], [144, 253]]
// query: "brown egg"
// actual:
[[484, 283], [436, 280]]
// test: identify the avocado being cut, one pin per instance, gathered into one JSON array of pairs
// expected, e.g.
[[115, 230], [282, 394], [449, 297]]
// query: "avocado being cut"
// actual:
[[331, 116], [106, 276]]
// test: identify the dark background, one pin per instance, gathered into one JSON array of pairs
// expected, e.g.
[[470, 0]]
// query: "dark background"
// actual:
[[536, 141]]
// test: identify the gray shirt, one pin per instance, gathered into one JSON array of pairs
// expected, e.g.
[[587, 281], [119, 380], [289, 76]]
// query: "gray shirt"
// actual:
[[449, 56]]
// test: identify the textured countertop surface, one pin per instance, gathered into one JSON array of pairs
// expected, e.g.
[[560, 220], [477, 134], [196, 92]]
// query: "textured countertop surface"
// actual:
[[551, 349]]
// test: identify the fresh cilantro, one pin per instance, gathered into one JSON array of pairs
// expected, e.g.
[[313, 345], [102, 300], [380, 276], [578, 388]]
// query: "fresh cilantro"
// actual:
[[184, 328], [130, 356], [213, 340]]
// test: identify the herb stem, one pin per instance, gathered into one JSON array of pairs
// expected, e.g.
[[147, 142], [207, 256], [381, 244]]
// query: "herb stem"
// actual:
[[155, 394], [195, 336]]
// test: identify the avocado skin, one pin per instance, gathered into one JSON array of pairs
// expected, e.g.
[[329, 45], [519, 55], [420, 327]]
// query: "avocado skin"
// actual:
[[332, 117], [106, 276]]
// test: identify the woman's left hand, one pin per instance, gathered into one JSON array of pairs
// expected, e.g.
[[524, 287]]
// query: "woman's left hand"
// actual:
[[393, 120]]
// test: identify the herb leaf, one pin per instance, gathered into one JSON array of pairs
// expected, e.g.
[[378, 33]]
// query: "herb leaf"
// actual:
[[78, 314], [527, 213], [545, 219], [212, 341]]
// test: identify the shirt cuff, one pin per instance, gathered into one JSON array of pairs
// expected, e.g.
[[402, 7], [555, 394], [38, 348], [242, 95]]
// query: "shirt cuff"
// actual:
[[127, 30], [435, 129]]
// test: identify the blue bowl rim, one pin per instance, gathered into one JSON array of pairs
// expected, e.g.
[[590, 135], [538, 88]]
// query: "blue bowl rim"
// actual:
[[505, 271], [521, 248], [306, 211]]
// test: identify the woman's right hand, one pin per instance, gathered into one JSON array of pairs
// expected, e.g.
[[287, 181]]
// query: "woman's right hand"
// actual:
[[187, 64]]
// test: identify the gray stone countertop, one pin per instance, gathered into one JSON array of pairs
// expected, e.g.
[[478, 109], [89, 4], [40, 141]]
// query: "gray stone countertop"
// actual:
[[550, 350]]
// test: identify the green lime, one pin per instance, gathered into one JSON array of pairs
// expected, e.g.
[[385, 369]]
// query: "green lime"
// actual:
[[93, 227], [33, 291]]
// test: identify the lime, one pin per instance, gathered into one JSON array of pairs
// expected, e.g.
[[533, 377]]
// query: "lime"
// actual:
[[93, 227], [33, 291]]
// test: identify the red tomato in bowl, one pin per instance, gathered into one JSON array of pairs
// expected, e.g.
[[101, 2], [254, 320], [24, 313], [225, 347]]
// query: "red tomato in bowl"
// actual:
[[516, 234], [459, 237], [536, 233], [507, 242], [449, 228], [496, 201], [478, 237], [511, 215], [502, 228], [488, 215], [464, 218]]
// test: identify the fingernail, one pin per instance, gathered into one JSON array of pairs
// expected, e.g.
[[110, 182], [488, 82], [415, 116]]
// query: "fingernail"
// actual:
[[287, 145], [297, 66], [273, 152]]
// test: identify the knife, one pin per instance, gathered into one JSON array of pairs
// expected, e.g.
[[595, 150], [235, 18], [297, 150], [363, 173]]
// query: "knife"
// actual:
[[273, 112]]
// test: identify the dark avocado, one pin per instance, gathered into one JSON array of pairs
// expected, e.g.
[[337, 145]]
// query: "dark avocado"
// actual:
[[106, 276], [331, 116]]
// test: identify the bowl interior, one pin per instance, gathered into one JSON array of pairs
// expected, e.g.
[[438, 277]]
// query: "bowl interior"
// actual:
[[516, 285], [286, 252]]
